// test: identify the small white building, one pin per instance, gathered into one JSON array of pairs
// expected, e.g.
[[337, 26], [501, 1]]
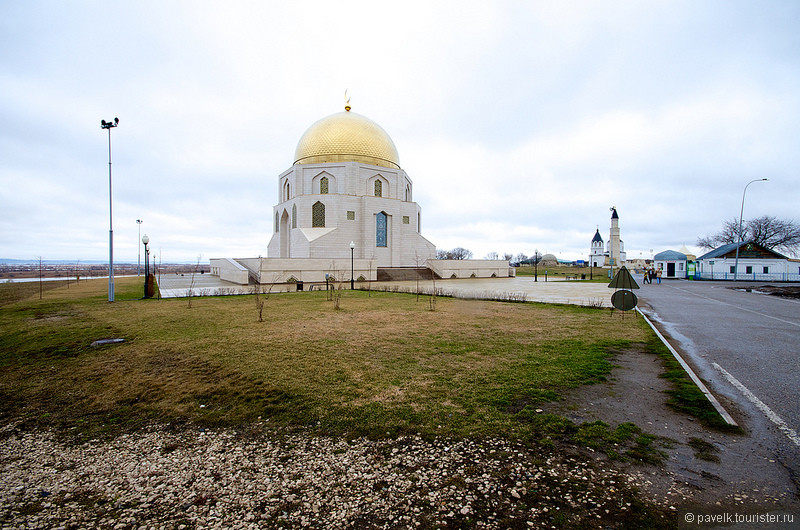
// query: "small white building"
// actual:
[[596, 256], [755, 263], [671, 263]]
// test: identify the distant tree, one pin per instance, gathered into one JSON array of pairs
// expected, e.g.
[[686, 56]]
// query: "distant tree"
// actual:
[[508, 257], [521, 257], [456, 253], [492, 255], [462, 253], [770, 232]]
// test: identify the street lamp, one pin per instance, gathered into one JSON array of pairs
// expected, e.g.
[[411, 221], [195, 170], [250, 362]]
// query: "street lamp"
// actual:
[[146, 240], [352, 264], [139, 256], [739, 242], [110, 125]]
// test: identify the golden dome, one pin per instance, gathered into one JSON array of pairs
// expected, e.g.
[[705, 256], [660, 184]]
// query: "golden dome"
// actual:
[[346, 137]]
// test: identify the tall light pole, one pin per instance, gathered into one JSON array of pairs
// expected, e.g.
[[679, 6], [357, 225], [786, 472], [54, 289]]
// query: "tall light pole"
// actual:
[[110, 125], [139, 256], [145, 241], [352, 265], [739, 239]]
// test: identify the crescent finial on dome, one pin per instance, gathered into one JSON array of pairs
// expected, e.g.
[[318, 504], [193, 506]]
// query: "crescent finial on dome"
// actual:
[[346, 100]]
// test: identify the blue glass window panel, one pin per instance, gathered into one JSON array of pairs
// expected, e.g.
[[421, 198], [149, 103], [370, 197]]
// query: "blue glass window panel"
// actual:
[[380, 229]]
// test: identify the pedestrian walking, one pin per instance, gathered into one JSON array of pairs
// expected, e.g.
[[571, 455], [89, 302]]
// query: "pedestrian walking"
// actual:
[[658, 276]]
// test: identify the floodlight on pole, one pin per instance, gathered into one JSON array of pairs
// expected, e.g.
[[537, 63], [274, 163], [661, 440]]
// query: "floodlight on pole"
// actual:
[[139, 255], [145, 241], [739, 238], [352, 264], [110, 125]]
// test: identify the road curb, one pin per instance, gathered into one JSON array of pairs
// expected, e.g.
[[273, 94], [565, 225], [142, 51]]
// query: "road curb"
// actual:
[[720, 409]]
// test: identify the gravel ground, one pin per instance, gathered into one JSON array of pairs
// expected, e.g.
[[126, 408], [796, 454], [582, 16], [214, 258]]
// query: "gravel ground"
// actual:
[[187, 478]]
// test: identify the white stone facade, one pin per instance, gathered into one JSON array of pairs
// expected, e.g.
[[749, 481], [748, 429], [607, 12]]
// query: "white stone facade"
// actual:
[[324, 207], [471, 268]]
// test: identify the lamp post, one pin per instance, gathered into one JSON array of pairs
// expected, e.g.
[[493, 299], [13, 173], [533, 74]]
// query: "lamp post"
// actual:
[[110, 125], [146, 240], [139, 256], [352, 264], [739, 242]]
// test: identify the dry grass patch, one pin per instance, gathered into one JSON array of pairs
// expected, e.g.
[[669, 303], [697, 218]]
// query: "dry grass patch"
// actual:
[[382, 363]]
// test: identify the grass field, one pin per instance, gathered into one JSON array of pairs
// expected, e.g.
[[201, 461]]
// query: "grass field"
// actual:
[[383, 364], [596, 274]]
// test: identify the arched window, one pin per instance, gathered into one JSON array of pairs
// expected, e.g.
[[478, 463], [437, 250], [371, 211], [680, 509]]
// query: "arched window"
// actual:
[[378, 188], [294, 216], [408, 193], [380, 228], [286, 190], [323, 185], [318, 215]]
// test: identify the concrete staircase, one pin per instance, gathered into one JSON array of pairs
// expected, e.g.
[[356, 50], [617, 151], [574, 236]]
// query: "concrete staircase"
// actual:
[[252, 276], [399, 274]]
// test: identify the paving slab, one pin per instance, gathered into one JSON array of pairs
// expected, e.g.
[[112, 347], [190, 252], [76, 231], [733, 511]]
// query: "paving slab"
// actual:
[[557, 291]]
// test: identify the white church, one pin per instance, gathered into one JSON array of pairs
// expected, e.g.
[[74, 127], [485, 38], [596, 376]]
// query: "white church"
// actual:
[[346, 207], [614, 253]]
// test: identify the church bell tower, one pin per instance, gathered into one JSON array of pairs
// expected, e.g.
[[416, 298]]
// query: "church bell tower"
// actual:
[[596, 256]]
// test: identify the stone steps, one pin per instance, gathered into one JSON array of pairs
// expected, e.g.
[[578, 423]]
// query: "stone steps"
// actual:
[[398, 274]]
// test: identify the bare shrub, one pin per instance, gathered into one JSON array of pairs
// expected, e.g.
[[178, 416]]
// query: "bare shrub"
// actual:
[[594, 303], [191, 283]]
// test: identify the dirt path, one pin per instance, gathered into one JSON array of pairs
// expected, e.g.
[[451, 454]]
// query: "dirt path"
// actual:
[[721, 473]]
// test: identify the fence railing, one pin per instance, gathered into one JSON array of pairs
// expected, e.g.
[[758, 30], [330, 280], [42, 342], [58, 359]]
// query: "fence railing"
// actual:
[[753, 276]]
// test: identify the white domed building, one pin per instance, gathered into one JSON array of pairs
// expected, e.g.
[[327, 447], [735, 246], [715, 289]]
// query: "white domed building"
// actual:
[[346, 185], [346, 202]]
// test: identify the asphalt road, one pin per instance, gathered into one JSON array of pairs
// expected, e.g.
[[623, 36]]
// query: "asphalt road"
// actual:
[[745, 345]]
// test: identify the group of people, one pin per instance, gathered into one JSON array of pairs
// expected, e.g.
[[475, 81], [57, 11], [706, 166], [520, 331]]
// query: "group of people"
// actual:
[[650, 273]]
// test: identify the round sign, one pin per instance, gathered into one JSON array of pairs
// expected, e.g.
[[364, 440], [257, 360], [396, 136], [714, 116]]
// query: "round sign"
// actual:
[[624, 300]]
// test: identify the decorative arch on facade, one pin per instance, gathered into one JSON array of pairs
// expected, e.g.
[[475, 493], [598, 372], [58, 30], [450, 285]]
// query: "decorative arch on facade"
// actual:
[[378, 186], [294, 216], [318, 215], [323, 184], [285, 239], [286, 190]]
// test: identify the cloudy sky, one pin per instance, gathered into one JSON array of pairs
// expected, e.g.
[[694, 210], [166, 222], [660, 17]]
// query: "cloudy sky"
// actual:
[[520, 123]]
